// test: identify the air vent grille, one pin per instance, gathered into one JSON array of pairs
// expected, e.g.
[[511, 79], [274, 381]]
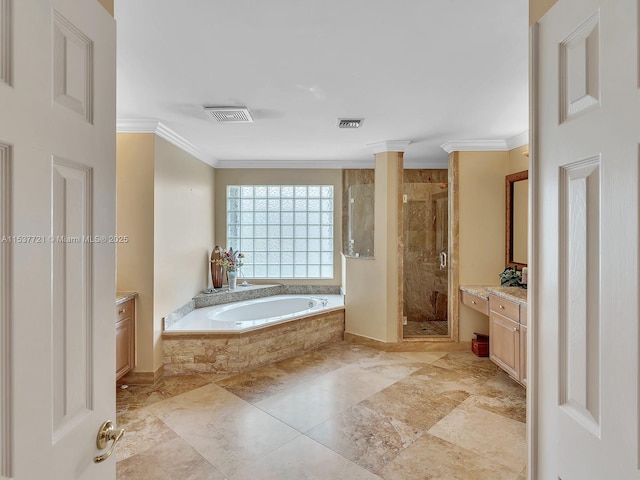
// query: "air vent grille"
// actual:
[[230, 114], [350, 122]]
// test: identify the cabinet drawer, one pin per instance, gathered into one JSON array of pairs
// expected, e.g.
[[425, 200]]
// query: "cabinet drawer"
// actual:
[[124, 310], [504, 307], [475, 302]]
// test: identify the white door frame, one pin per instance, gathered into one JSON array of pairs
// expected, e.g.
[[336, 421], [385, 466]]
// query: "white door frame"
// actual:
[[532, 334]]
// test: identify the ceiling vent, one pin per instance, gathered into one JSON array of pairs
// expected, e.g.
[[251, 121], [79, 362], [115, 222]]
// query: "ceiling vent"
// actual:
[[230, 114], [350, 122]]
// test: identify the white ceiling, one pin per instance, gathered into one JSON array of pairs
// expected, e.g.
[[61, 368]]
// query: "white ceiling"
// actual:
[[428, 71]]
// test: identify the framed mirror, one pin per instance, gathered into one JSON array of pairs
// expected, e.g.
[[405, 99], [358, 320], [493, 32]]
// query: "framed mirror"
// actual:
[[517, 220]]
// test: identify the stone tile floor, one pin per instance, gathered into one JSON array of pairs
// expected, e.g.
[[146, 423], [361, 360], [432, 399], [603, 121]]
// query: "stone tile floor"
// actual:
[[401, 412]]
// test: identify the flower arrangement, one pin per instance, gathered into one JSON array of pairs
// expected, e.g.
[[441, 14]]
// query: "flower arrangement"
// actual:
[[230, 260]]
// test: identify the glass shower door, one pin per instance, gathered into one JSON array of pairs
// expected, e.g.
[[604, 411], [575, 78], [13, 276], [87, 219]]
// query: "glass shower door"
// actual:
[[425, 279]]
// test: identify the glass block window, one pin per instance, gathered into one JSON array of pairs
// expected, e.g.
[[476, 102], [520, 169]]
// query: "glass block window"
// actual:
[[284, 231]]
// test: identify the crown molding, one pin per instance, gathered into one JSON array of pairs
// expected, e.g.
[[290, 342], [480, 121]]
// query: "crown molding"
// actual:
[[389, 146], [474, 146], [179, 141], [141, 125], [495, 145], [297, 164], [149, 125], [421, 164], [518, 140], [325, 164]]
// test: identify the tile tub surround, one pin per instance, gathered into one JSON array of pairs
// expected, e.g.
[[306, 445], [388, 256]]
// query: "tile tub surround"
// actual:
[[244, 293], [340, 411], [237, 317], [237, 352]]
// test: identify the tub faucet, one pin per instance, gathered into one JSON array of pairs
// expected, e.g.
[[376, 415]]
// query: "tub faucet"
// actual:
[[323, 301]]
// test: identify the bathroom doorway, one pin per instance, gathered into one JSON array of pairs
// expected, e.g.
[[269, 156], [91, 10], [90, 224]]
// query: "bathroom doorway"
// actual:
[[426, 255]]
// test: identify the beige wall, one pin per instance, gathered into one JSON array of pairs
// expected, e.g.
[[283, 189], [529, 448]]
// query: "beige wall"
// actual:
[[373, 307], [518, 161], [183, 231], [108, 5], [481, 216], [165, 207], [537, 8], [134, 207], [481, 211], [333, 177]]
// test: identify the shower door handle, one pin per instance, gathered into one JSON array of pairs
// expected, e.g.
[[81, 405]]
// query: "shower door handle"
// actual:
[[443, 260]]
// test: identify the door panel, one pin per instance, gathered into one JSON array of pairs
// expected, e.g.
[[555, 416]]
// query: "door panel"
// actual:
[[6, 420], [579, 292], [6, 401], [58, 117], [72, 219], [585, 324], [72, 68]]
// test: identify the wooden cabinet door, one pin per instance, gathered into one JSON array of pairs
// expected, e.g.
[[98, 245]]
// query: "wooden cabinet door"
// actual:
[[523, 355], [124, 339], [504, 344]]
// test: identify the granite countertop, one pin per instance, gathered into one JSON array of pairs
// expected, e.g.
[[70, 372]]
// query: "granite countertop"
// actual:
[[481, 291], [515, 294], [122, 297]]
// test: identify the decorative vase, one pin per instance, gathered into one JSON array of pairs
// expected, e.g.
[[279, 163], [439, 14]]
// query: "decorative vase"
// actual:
[[217, 271], [232, 278]]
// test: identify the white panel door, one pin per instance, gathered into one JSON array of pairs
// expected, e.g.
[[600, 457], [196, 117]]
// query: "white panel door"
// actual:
[[585, 166], [57, 210]]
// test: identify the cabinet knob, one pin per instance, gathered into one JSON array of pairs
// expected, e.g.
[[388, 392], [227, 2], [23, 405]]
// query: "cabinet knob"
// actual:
[[473, 301], [122, 311], [502, 307]]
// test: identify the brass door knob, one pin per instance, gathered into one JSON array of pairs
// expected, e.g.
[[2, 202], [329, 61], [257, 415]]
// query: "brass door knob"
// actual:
[[105, 434]]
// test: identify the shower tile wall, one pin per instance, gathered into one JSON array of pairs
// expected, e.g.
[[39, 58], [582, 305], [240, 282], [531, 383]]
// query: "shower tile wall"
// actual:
[[425, 235]]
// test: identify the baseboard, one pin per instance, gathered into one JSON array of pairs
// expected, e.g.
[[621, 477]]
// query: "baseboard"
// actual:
[[142, 378], [405, 346], [362, 340]]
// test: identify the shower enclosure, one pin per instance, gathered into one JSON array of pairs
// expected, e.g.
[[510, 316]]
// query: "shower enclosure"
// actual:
[[425, 265]]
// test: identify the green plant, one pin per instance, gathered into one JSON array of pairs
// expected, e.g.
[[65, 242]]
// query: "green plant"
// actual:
[[511, 277]]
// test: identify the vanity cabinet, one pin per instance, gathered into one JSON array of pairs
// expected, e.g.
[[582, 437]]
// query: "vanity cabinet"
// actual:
[[125, 337], [508, 337]]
